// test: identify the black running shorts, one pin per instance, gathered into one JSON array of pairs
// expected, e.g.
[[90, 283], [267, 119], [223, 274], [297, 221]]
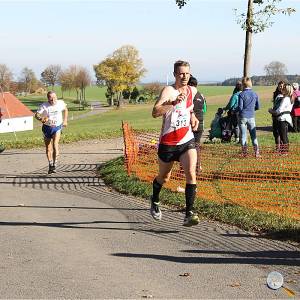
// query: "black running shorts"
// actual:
[[169, 153]]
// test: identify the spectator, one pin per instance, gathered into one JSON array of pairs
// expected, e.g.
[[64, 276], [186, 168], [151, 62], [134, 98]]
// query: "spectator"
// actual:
[[233, 113], [278, 89], [215, 126], [296, 107], [248, 104], [277, 97], [199, 106], [283, 116]]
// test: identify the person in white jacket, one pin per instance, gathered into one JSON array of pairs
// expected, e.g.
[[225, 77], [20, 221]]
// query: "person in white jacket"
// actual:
[[283, 117]]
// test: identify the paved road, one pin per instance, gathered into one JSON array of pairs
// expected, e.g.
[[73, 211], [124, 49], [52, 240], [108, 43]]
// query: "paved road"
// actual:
[[69, 236]]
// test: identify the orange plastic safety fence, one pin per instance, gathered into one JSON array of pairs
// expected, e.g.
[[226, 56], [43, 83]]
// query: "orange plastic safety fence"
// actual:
[[269, 183]]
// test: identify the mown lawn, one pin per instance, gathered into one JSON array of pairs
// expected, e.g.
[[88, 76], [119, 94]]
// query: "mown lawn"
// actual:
[[139, 116], [108, 125]]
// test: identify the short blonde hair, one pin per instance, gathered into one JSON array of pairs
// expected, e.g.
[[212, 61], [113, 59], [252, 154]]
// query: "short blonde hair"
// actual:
[[247, 83], [289, 89]]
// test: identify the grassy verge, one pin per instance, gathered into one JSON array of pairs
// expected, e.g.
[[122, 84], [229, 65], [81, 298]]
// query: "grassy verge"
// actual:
[[108, 124], [267, 224], [139, 116]]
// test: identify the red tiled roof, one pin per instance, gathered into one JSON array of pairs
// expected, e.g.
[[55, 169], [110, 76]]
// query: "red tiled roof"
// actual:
[[11, 107]]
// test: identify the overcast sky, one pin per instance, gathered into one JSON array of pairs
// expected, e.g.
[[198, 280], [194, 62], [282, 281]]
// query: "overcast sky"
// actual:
[[205, 33]]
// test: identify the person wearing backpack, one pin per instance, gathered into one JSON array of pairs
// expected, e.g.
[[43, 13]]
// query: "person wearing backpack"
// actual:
[[232, 108]]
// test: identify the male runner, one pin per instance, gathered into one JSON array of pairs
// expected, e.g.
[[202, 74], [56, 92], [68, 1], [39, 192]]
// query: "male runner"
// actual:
[[175, 105], [50, 114]]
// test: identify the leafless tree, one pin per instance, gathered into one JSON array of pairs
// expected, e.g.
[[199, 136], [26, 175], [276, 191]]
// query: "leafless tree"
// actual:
[[5, 77], [257, 19], [50, 76], [83, 79], [28, 80], [276, 71]]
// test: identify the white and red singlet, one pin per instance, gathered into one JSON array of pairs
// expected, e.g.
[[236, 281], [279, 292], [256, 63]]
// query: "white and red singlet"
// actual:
[[176, 127]]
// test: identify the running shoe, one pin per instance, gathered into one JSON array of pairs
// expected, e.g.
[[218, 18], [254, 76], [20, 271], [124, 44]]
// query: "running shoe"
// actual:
[[191, 220], [155, 211], [51, 170]]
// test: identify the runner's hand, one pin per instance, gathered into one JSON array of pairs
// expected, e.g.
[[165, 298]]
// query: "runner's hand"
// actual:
[[44, 120], [194, 122], [181, 97]]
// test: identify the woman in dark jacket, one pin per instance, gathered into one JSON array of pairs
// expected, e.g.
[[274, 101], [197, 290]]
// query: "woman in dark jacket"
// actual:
[[277, 97]]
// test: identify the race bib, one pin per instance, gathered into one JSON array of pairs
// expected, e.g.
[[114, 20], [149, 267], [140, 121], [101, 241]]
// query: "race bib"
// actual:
[[179, 119], [53, 122]]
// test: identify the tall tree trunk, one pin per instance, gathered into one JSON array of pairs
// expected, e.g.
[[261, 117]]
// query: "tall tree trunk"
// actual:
[[80, 98], [119, 103], [248, 40]]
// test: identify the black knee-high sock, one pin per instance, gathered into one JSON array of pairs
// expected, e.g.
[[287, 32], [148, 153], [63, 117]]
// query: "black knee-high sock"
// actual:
[[156, 190], [190, 193]]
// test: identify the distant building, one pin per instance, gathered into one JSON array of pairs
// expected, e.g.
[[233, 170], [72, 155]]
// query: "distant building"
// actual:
[[15, 115]]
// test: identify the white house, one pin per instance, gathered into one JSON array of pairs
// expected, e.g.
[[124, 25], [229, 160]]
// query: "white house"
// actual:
[[15, 115]]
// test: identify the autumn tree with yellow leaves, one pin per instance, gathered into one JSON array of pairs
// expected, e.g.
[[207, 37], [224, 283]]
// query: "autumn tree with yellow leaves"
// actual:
[[120, 71]]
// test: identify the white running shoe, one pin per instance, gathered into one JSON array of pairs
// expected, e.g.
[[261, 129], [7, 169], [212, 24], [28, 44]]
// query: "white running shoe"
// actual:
[[155, 211]]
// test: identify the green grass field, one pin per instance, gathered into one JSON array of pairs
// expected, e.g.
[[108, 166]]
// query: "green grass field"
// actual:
[[210, 91], [108, 125], [139, 116], [93, 93]]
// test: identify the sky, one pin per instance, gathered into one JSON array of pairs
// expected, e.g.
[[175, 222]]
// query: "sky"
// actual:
[[38, 33]]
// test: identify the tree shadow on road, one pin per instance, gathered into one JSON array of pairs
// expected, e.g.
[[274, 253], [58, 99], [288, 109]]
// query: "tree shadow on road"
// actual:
[[282, 258], [78, 225]]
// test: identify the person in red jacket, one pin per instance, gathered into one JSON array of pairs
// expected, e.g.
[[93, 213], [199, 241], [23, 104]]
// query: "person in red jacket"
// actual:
[[296, 107]]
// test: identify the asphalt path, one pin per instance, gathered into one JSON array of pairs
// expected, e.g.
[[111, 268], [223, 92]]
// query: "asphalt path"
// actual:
[[68, 235]]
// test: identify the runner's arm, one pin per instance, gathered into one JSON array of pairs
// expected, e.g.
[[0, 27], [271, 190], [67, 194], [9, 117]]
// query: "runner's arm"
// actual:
[[39, 117], [194, 121], [66, 113], [165, 102]]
